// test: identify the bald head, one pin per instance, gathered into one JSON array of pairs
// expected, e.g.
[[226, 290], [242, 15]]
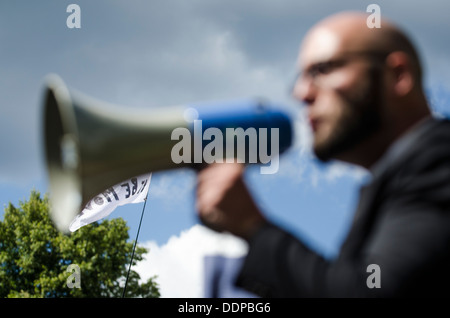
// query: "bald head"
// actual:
[[348, 32]]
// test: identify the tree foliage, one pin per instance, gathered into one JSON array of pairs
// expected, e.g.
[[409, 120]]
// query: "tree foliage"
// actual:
[[35, 257]]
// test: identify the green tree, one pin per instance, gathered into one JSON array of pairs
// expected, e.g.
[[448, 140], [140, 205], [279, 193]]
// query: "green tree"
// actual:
[[35, 257]]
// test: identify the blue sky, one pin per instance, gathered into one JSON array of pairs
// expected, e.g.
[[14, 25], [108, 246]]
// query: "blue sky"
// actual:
[[160, 53]]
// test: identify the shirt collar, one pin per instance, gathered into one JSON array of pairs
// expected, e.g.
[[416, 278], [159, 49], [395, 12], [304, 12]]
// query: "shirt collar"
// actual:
[[401, 145]]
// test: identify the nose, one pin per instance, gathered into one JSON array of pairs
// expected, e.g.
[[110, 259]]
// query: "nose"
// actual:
[[304, 90]]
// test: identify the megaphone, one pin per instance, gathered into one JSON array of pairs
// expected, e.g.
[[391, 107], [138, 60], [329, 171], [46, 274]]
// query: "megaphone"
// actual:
[[91, 145]]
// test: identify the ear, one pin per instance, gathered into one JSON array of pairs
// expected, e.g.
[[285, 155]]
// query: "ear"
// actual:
[[403, 78]]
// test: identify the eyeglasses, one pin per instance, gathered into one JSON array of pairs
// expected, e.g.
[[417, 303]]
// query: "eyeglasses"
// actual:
[[324, 74]]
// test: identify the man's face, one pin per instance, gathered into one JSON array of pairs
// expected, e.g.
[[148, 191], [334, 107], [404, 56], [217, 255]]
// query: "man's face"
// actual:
[[342, 88]]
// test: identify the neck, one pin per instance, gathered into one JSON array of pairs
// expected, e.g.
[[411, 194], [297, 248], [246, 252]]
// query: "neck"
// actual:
[[368, 152]]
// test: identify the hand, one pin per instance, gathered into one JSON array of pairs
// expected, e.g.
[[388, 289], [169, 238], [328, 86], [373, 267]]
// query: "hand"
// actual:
[[224, 202]]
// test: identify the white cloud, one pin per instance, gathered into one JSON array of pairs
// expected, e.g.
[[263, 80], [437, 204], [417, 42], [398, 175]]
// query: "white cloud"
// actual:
[[179, 263], [337, 170]]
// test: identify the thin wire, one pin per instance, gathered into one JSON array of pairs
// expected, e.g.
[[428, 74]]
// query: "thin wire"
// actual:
[[134, 247]]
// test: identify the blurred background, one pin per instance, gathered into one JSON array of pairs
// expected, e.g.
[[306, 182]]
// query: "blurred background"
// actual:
[[143, 54]]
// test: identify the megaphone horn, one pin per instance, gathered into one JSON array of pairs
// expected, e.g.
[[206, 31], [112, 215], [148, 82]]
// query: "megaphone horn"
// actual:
[[91, 145]]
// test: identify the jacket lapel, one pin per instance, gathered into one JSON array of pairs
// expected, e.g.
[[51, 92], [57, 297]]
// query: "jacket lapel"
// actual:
[[371, 195], [363, 218]]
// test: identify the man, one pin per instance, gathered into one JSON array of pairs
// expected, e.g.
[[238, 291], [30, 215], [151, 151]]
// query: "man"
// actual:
[[363, 91]]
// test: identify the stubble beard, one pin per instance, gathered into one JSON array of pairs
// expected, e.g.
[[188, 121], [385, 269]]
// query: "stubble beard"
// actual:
[[361, 119]]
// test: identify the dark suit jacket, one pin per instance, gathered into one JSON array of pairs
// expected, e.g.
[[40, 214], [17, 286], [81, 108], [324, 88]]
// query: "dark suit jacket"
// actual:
[[402, 224]]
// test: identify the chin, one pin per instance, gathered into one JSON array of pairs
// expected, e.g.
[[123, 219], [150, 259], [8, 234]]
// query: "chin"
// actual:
[[322, 154]]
